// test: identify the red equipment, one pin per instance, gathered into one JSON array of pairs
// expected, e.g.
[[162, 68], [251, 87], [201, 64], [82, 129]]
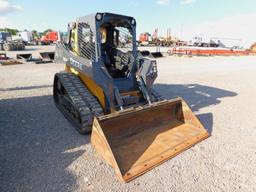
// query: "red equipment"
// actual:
[[143, 37], [208, 52], [49, 38]]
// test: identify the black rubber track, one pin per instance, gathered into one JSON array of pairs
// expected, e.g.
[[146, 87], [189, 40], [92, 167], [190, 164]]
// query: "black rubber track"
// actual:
[[75, 101]]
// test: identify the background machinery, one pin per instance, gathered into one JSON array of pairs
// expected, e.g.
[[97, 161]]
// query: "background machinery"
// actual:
[[200, 41], [7, 44], [26, 37], [146, 39], [49, 38], [107, 88]]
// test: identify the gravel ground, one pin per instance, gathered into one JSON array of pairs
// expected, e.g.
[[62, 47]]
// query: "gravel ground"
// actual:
[[41, 151]]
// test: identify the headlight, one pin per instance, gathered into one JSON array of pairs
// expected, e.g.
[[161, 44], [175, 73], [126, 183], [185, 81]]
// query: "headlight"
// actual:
[[99, 16]]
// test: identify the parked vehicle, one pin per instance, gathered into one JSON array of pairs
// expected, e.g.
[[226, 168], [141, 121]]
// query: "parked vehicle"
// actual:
[[49, 38], [7, 44], [200, 41], [27, 37]]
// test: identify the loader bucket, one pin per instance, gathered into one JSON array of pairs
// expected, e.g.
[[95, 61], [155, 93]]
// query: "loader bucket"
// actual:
[[138, 140]]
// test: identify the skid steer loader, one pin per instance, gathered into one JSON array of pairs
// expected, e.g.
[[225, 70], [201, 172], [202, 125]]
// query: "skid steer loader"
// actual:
[[106, 88]]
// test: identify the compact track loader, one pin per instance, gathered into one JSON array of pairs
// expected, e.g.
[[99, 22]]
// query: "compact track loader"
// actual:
[[106, 88]]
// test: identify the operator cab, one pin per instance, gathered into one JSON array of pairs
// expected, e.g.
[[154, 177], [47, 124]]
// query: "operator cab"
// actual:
[[117, 46], [111, 40]]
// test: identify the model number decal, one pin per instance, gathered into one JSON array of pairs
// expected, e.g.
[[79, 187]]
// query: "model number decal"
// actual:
[[76, 64]]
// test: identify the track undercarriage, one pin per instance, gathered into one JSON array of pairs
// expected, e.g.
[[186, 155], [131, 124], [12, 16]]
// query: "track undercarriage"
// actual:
[[75, 101]]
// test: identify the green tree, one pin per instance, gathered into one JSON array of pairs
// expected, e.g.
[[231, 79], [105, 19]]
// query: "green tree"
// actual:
[[9, 30], [35, 34]]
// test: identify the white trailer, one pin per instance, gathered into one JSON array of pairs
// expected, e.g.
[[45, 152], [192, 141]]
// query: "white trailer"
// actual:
[[201, 41], [26, 36]]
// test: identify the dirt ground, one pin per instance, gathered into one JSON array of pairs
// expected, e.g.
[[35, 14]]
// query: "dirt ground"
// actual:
[[41, 151]]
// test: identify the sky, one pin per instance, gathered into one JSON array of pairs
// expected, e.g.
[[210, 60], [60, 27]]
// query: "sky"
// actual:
[[232, 20]]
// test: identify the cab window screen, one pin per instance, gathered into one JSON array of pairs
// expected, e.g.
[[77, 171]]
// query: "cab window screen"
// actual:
[[86, 41]]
